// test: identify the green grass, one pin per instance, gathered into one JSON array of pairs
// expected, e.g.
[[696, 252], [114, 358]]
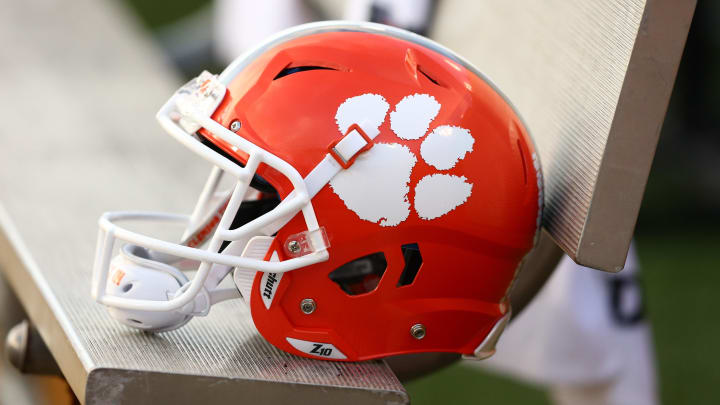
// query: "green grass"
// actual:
[[681, 275], [462, 384], [157, 13]]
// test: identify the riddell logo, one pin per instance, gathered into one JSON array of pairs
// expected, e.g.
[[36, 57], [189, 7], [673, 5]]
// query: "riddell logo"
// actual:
[[269, 285], [320, 350]]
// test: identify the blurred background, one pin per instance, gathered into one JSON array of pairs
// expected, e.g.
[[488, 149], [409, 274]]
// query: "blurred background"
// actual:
[[677, 231]]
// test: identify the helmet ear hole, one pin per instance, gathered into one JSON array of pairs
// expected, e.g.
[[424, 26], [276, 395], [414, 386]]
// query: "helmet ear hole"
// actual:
[[362, 275], [127, 287], [413, 262], [135, 321]]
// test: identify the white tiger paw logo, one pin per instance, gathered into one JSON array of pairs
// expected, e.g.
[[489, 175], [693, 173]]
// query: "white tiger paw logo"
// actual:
[[376, 186]]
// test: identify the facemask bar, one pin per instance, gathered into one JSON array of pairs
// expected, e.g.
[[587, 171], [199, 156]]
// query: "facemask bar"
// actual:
[[209, 204], [174, 117]]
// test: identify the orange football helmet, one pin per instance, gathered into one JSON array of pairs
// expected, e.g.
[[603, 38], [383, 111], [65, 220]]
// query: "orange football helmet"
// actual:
[[385, 195]]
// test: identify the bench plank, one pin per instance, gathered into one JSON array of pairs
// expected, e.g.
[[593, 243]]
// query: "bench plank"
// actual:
[[592, 80]]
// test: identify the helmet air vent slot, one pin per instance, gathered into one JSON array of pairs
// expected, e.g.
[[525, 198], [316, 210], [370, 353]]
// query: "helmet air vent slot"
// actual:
[[427, 76], [362, 275], [524, 164], [297, 69], [413, 262]]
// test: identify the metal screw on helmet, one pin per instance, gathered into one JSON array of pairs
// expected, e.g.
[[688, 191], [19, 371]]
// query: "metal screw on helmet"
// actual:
[[294, 246], [418, 331], [307, 306], [235, 126]]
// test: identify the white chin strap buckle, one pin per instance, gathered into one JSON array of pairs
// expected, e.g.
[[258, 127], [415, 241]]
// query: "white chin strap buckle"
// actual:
[[134, 275]]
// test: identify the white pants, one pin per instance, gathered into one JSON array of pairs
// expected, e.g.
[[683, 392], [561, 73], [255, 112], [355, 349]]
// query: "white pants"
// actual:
[[585, 337]]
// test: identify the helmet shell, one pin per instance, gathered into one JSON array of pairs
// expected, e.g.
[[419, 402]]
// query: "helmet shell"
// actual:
[[287, 100]]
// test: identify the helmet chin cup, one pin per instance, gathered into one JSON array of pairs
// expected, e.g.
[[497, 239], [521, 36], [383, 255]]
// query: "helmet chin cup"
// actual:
[[134, 275]]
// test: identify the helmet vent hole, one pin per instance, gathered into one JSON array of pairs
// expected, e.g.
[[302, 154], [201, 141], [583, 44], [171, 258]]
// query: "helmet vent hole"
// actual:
[[524, 164], [427, 76], [413, 262], [361, 275], [127, 287], [297, 69]]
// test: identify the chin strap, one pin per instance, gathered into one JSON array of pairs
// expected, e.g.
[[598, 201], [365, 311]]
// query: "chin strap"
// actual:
[[341, 155], [205, 299]]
